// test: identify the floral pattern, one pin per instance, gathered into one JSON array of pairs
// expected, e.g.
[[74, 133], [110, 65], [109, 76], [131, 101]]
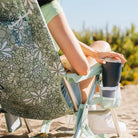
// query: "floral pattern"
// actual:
[[5, 51], [36, 96], [20, 31], [29, 2], [57, 70], [37, 51], [30, 69]]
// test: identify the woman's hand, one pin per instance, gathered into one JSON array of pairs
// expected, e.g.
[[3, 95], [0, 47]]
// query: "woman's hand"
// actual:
[[100, 50], [100, 56]]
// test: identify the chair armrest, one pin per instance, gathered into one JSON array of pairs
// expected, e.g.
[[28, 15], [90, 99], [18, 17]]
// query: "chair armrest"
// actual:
[[94, 70]]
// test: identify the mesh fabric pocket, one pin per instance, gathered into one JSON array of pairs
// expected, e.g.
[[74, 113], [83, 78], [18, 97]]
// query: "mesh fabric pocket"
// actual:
[[110, 97]]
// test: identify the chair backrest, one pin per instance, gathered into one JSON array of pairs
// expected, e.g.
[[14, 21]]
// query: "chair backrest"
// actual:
[[30, 68]]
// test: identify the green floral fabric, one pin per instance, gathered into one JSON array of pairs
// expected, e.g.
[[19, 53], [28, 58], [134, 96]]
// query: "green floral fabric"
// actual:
[[30, 69]]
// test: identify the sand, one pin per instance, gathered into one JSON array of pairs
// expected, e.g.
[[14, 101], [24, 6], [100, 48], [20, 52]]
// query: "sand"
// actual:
[[127, 113]]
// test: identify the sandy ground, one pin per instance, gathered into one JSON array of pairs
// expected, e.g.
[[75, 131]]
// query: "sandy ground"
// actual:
[[127, 112]]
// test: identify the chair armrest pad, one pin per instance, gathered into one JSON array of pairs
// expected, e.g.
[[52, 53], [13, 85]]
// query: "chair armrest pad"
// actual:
[[94, 70]]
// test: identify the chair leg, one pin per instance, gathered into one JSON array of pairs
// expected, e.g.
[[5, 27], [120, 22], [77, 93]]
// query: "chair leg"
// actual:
[[115, 120], [78, 132], [70, 91], [46, 126], [91, 92], [28, 126]]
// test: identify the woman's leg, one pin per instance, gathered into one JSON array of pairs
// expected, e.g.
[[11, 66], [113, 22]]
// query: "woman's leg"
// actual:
[[85, 85]]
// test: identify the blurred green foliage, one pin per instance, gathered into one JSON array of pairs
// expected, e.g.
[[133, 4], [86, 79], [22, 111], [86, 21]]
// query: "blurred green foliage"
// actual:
[[122, 42]]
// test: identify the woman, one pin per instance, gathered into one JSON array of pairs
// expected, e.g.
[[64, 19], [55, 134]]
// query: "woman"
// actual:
[[78, 57]]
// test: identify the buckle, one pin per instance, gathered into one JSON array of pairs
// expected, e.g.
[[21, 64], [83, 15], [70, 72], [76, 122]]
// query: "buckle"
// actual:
[[44, 134]]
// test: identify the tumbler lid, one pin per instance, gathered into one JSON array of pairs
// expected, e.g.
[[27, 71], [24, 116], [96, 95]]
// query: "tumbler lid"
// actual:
[[113, 60]]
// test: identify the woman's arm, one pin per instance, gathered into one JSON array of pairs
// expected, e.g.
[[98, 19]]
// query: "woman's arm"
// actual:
[[68, 43], [100, 55]]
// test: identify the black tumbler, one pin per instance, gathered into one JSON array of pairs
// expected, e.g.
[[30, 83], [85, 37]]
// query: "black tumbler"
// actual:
[[111, 72]]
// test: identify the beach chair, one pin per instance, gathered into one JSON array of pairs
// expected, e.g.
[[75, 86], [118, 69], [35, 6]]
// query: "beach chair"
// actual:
[[31, 71]]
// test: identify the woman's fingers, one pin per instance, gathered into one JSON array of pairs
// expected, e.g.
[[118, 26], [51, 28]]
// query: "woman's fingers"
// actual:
[[101, 55], [118, 55], [101, 60]]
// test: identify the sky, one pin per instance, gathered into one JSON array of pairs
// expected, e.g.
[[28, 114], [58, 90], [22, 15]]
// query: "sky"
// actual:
[[97, 14]]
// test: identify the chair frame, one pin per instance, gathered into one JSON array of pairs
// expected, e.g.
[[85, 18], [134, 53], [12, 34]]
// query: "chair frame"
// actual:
[[91, 93]]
